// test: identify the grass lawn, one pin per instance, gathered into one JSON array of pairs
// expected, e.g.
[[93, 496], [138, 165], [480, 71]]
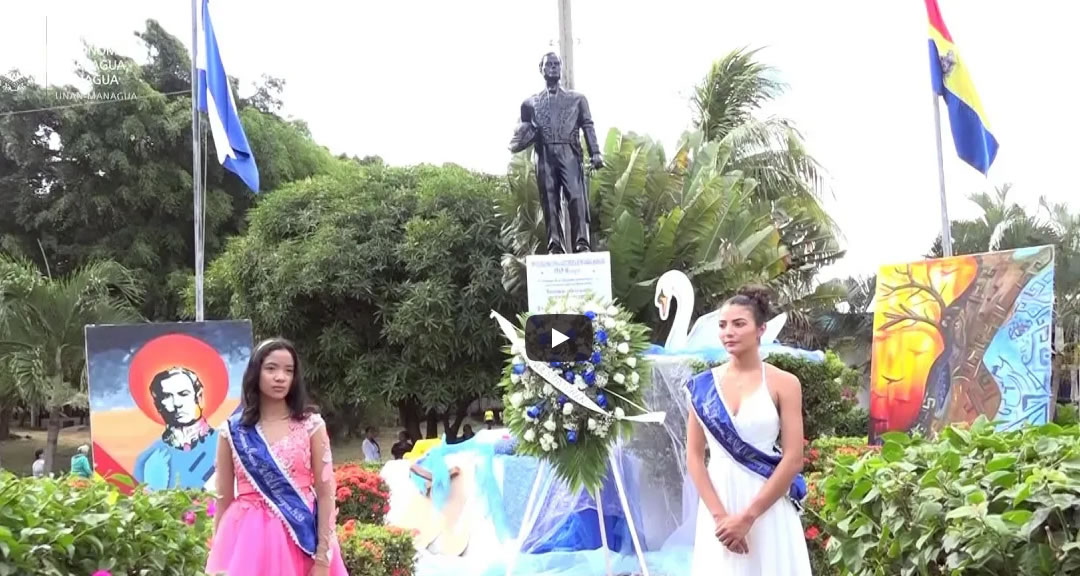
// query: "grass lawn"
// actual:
[[17, 455]]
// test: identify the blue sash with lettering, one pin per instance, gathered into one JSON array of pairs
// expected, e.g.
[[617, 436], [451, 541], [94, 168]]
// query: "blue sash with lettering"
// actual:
[[709, 408], [273, 484]]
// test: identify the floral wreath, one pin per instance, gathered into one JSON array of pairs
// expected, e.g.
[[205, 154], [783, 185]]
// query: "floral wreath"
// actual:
[[571, 413]]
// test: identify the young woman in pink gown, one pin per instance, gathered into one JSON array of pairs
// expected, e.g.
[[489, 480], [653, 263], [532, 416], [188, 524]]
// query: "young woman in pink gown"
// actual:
[[279, 519]]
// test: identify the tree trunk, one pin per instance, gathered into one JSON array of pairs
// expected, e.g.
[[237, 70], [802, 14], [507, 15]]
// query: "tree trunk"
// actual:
[[410, 415], [35, 417], [5, 421], [451, 433], [461, 411], [52, 437], [432, 424]]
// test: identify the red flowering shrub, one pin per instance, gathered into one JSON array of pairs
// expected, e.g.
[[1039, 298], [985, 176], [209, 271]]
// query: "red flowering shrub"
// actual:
[[816, 538], [369, 550], [362, 495], [819, 457]]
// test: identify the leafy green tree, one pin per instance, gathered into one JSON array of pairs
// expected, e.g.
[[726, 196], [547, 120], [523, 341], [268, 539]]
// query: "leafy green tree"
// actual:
[[42, 322], [89, 176], [385, 279]]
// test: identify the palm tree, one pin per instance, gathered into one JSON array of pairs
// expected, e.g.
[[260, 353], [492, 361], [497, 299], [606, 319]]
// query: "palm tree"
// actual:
[[1066, 226], [807, 305], [1004, 225], [42, 322], [692, 214], [727, 105]]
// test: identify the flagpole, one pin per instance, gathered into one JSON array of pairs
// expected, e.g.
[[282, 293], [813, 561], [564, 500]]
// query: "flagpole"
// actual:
[[946, 232], [196, 163]]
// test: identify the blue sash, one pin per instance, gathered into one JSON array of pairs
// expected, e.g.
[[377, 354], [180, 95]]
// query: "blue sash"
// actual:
[[709, 408], [273, 484]]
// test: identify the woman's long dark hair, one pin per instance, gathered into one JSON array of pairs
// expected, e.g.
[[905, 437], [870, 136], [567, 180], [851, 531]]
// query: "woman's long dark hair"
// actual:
[[296, 399]]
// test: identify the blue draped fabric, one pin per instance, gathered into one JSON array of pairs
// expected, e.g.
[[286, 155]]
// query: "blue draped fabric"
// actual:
[[710, 410], [434, 461], [273, 484]]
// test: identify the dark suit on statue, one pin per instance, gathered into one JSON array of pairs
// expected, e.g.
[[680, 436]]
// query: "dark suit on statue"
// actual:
[[560, 118]]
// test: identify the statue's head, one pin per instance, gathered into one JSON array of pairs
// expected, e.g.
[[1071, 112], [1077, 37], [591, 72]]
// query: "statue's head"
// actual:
[[551, 66]]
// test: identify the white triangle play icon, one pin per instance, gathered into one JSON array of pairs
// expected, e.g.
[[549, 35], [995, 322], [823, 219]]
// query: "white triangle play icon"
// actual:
[[557, 338]]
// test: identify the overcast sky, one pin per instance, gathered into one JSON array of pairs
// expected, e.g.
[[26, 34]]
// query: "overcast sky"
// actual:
[[435, 81]]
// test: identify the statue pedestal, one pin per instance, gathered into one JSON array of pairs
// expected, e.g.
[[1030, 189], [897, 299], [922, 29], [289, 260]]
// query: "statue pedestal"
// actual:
[[556, 275]]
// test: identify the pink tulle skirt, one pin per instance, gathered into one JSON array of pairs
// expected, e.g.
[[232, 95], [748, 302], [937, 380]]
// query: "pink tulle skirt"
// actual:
[[252, 541]]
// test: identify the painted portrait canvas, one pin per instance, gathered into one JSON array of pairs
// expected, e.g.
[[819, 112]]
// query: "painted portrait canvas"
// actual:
[[157, 394]]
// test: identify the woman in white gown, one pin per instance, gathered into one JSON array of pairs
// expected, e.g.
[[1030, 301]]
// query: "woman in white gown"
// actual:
[[748, 520]]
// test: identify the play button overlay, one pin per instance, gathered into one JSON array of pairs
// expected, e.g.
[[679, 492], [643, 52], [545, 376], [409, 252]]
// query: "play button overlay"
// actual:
[[558, 338]]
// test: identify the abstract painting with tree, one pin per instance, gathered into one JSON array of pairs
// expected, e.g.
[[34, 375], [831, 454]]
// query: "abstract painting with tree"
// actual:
[[955, 338]]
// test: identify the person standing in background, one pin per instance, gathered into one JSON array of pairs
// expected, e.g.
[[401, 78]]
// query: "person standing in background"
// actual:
[[38, 467], [80, 463], [402, 446], [371, 446]]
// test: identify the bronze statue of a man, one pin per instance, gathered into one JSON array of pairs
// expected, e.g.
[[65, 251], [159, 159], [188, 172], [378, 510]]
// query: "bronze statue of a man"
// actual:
[[552, 121]]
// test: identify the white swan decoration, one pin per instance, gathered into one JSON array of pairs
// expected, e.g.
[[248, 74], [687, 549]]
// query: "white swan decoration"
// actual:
[[675, 285]]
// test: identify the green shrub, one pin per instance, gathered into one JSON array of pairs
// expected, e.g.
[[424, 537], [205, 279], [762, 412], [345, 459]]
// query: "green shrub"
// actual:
[[819, 457], [76, 526], [974, 502], [1066, 415], [854, 422], [370, 550], [375, 467]]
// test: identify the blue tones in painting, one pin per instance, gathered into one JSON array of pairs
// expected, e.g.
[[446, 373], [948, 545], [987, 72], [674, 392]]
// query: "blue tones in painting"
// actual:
[[164, 466], [109, 354], [1019, 356]]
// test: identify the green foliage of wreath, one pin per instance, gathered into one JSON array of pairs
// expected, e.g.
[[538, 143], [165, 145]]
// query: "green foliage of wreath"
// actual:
[[573, 439]]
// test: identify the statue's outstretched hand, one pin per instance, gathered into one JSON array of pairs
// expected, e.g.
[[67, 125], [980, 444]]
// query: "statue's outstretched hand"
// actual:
[[597, 161]]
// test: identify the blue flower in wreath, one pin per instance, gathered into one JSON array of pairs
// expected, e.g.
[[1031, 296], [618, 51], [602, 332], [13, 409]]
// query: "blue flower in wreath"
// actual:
[[596, 357], [519, 369], [562, 399], [569, 375], [556, 364], [601, 400], [590, 315], [601, 337], [534, 411], [571, 436], [590, 377]]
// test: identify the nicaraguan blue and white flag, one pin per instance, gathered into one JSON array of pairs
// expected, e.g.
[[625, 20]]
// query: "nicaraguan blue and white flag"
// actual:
[[216, 99]]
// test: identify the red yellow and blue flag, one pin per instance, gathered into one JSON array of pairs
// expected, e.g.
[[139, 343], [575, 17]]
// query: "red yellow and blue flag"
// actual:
[[974, 142]]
